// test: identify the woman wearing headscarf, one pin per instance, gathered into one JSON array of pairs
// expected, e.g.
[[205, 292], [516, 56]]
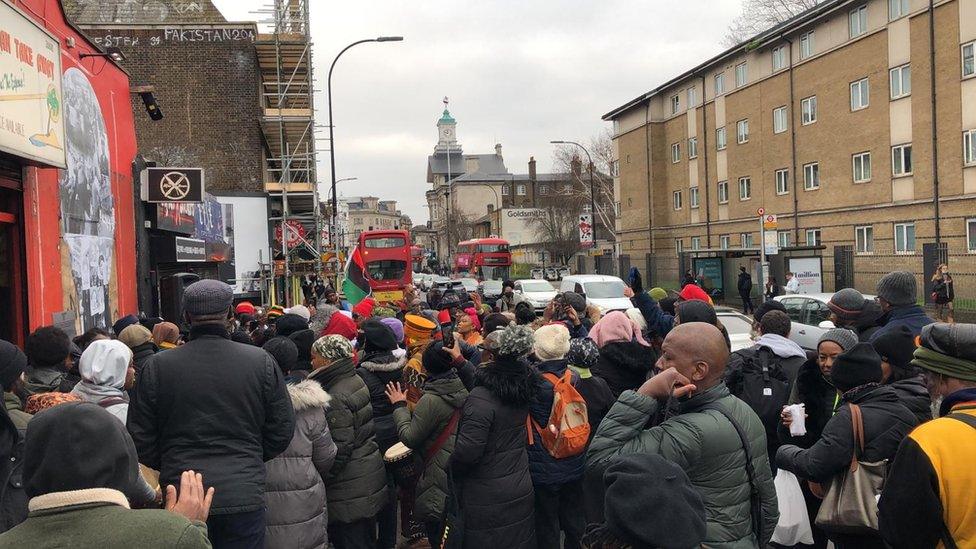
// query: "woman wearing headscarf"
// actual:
[[626, 358], [469, 326], [166, 335], [490, 462]]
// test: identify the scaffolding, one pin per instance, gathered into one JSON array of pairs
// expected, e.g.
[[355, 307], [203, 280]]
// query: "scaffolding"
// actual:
[[288, 128]]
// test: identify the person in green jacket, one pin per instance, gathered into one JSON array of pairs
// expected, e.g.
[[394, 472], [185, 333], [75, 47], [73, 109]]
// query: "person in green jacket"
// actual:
[[436, 413], [79, 464], [701, 438]]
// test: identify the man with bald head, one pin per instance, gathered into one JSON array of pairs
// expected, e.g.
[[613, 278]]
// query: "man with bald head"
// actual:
[[710, 436]]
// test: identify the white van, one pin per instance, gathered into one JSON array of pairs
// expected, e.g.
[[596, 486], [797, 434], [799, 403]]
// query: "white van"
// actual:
[[606, 292]]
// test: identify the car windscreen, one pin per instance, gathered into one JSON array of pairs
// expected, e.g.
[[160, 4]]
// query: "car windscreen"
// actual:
[[735, 324], [469, 284], [492, 286], [533, 286], [604, 290]]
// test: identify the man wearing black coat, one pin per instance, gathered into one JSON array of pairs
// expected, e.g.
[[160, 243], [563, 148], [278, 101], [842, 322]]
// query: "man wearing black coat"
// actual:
[[216, 407], [745, 290]]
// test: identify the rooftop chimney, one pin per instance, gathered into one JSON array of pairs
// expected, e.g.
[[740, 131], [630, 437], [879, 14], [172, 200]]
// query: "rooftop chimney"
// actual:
[[498, 150], [531, 168], [576, 166]]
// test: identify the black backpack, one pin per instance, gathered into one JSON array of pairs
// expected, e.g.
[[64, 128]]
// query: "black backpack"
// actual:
[[763, 385]]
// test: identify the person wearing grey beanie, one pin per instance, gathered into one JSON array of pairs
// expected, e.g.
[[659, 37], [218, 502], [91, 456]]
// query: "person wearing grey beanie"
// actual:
[[850, 309], [897, 295]]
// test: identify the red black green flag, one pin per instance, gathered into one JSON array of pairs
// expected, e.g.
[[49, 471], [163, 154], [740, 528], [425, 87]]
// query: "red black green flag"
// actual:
[[355, 286]]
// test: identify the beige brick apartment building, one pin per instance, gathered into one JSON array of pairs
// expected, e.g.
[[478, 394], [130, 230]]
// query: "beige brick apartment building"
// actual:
[[825, 121]]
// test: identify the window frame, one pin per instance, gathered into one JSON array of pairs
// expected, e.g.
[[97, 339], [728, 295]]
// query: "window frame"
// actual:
[[615, 168], [817, 234], [741, 75], [676, 200], [972, 55], [747, 181], [894, 150], [692, 96], [725, 241], [675, 102], [723, 188], [854, 159], [863, 92], [785, 172], [808, 104], [695, 243], [675, 153], [543, 189], [904, 237], [721, 139], [900, 70], [740, 137], [779, 53], [779, 239], [520, 190], [694, 198], [971, 235], [719, 83], [780, 115], [746, 240], [807, 44], [679, 246], [864, 239], [969, 149], [903, 9], [861, 12], [816, 172], [504, 190], [692, 148]]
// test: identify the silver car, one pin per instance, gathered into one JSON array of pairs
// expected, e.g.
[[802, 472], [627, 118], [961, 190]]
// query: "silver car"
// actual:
[[738, 325], [809, 316]]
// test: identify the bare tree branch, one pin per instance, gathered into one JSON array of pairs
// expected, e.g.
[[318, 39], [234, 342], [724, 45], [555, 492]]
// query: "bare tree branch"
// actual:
[[760, 15], [601, 149]]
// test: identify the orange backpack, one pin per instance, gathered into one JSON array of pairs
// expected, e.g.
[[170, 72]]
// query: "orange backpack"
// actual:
[[568, 429]]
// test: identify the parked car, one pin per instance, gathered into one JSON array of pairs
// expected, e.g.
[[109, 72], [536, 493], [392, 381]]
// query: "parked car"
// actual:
[[809, 317], [443, 283], [470, 284], [427, 281], [538, 273], [552, 273], [604, 291], [490, 291], [564, 272], [537, 292], [738, 325]]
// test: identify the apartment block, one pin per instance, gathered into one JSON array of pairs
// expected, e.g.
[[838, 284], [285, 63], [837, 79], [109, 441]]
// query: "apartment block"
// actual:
[[829, 121]]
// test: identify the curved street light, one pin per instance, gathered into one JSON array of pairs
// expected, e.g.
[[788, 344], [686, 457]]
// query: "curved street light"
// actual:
[[592, 194]]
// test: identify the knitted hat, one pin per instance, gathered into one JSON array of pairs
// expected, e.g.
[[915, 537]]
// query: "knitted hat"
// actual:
[[859, 366], [841, 336], [396, 326], [896, 346], [289, 324], [696, 311], [767, 306], [207, 298], [244, 308], [847, 304], [303, 340], [583, 353], [948, 349], [515, 341], [551, 342], [691, 292], [364, 308], [638, 487], [13, 363], [301, 311], [332, 347], [275, 311], [378, 336], [898, 288], [417, 328], [436, 360], [495, 321], [657, 294], [123, 323], [575, 301], [342, 325], [135, 335], [284, 351]]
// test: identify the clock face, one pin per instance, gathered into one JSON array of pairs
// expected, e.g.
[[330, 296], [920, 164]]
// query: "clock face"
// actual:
[[448, 132]]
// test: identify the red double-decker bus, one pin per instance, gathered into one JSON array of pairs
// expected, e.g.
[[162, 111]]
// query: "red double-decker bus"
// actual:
[[483, 258], [417, 258], [386, 261]]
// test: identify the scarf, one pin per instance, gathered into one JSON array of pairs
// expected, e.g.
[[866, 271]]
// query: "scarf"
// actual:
[[950, 366]]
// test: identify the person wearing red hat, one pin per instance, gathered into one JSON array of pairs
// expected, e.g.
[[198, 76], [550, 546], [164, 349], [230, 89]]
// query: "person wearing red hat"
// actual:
[[244, 308], [692, 292], [363, 310]]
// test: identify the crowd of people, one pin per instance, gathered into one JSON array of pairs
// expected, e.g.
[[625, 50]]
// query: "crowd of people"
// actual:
[[441, 421]]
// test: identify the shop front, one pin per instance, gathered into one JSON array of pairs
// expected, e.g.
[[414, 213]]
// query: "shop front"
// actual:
[[67, 140]]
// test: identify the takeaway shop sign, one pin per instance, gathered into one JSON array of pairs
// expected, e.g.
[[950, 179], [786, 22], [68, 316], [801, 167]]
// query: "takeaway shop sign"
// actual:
[[31, 102]]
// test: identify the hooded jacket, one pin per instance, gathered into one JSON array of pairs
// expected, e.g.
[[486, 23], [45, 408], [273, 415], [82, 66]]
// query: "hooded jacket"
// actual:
[[625, 365], [356, 483], [376, 371], [819, 398], [912, 316], [914, 395], [103, 367], [490, 462], [419, 431], [294, 490]]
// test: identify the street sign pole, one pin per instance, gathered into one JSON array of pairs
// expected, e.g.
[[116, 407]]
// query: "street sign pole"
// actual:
[[763, 265]]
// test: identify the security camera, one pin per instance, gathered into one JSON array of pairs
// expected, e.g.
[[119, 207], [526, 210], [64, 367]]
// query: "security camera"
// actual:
[[152, 107]]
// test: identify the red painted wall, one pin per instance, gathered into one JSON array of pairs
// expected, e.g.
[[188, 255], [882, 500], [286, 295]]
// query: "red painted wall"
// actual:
[[42, 206]]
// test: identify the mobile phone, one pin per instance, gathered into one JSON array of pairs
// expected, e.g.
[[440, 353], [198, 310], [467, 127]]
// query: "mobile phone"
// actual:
[[447, 335]]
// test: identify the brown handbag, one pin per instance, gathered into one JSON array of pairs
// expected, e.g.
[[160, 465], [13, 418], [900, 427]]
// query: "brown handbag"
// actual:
[[850, 505]]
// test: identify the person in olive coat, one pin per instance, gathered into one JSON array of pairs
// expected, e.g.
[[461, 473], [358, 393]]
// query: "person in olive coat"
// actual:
[[490, 462], [437, 411], [356, 483]]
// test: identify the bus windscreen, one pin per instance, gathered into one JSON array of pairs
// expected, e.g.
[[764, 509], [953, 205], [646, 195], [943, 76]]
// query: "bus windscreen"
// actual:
[[387, 269]]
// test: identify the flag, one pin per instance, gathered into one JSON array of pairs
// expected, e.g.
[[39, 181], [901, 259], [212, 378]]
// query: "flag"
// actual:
[[355, 286]]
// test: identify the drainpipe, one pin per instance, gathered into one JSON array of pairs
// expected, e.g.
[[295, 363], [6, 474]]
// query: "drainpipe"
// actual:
[[704, 154], [793, 122], [650, 204], [935, 125]]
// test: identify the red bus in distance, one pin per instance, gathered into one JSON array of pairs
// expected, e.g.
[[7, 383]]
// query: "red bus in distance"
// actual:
[[386, 256], [483, 258]]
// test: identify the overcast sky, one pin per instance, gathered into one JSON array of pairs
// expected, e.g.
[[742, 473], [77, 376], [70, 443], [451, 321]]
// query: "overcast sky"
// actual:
[[517, 72]]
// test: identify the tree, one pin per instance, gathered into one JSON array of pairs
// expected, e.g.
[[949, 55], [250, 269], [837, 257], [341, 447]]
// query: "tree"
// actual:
[[559, 230], [601, 149], [760, 15]]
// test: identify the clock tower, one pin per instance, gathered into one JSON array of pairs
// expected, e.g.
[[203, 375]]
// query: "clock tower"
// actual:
[[447, 134]]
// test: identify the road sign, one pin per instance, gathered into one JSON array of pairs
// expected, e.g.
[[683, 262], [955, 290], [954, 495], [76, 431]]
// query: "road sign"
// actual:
[[761, 212], [770, 242], [172, 185], [296, 232], [769, 222], [586, 230]]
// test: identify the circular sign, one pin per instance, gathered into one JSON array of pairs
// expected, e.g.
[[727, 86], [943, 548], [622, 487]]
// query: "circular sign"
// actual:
[[294, 235], [770, 218], [175, 185], [761, 211]]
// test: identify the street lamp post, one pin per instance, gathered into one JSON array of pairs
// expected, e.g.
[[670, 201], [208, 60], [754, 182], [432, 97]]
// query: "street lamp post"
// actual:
[[332, 120], [592, 193], [333, 230]]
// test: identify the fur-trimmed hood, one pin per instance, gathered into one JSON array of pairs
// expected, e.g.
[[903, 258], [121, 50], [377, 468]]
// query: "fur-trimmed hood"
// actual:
[[513, 381], [387, 363], [308, 394]]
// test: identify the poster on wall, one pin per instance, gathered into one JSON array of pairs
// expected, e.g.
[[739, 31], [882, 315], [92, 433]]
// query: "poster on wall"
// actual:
[[91, 269], [709, 271], [809, 271]]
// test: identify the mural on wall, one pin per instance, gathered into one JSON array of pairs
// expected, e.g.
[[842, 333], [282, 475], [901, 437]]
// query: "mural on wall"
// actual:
[[87, 213]]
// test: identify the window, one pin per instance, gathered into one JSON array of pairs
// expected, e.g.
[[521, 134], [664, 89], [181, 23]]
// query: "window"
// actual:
[[783, 181], [520, 190], [779, 120], [969, 147], [675, 153], [904, 238], [746, 240], [674, 104], [720, 83], [858, 21], [745, 188], [864, 240], [693, 147], [676, 196], [720, 142], [779, 58], [808, 110], [693, 197], [971, 235], [784, 239], [813, 237], [692, 97], [615, 168], [862, 167], [504, 190], [616, 208], [901, 81], [741, 75], [901, 160], [806, 45], [897, 8], [696, 243], [860, 97], [742, 131], [724, 241], [811, 176], [543, 189], [969, 59], [679, 246], [723, 192]]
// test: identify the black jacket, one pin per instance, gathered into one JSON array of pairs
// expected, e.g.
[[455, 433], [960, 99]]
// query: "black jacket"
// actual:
[[819, 399], [490, 462], [376, 372], [886, 423], [13, 499], [217, 407], [625, 365], [914, 395], [745, 283], [141, 355]]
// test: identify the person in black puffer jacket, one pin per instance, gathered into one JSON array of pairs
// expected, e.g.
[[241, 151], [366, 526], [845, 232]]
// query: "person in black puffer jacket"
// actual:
[[490, 462], [857, 373], [303, 340], [897, 349], [626, 358]]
